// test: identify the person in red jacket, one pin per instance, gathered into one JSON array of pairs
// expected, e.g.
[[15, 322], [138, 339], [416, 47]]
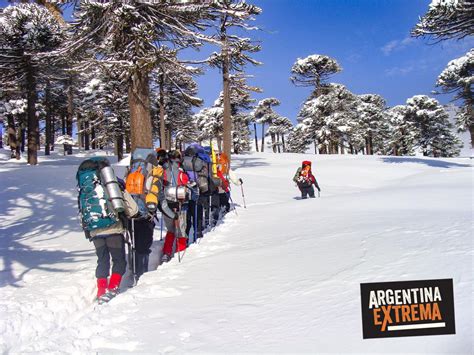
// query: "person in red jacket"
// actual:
[[305, 180]]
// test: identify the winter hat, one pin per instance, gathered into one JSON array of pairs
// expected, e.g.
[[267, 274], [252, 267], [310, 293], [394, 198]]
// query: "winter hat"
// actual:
[[306, 162]]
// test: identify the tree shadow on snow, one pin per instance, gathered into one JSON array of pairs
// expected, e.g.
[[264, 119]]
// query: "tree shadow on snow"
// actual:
[[244, 162], [430, 162], [37, 207]]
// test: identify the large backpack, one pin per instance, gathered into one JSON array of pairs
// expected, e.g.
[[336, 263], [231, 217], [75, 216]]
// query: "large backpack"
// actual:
[[136, 178], [197, 164], [95, 209]]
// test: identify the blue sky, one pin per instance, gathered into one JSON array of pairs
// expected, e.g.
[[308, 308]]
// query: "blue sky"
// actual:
[[369, 38]]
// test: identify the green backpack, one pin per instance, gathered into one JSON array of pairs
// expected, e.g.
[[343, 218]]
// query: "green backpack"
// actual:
[[94, 207]]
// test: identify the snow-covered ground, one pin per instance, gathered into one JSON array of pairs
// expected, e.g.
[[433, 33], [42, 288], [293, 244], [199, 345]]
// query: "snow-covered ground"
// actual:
[[282, 275]]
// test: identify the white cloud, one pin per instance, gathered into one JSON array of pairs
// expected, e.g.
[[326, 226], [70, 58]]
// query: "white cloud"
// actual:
[[398, 71], [396, 45]]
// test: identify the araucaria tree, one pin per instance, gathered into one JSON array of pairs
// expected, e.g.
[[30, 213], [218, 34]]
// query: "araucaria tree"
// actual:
[[133, 37], [314, 70], [434, 134], [27, 33], [264, 114], [234, 54], [458, 78], [447, 19]]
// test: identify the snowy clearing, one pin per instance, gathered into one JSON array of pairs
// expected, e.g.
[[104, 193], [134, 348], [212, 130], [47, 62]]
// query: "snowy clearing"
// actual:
[[282, 275]]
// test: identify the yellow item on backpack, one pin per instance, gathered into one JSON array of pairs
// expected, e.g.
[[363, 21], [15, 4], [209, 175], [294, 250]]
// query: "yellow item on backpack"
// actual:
[[151, 198]]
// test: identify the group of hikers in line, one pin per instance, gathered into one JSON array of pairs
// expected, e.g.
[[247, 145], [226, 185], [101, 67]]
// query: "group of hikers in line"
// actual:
[[190, 192]]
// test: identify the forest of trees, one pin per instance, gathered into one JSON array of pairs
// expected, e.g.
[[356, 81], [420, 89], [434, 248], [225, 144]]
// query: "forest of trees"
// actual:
[[117, 76]]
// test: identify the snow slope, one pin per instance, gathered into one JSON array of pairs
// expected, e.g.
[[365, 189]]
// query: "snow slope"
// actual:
[[282, 275]]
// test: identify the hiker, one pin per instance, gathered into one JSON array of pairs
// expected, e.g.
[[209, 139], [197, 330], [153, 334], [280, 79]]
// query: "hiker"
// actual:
[[173, 195], [196, 163], [141, 227], [226, 175], [305, 180], [103, 205]]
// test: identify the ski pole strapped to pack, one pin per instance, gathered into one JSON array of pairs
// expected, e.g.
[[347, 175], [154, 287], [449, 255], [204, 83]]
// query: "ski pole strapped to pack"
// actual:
[[138, 172], [100, 198]]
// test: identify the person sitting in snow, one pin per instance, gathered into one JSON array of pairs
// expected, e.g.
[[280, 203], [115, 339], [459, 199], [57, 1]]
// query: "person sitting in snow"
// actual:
[[305, 180]]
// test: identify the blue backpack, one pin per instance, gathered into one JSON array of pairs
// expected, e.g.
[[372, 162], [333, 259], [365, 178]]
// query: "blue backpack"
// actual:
[[95, 210]]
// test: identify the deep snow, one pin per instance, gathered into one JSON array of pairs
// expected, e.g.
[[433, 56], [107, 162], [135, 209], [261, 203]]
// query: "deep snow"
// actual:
[[282, 275]]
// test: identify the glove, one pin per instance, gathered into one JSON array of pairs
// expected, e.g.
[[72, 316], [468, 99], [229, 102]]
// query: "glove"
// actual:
[[241, 182], [319, 189]]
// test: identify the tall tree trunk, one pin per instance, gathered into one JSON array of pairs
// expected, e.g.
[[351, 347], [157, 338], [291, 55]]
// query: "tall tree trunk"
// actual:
[[351, 148], [139, 103], [219, 143], [342, 146], [33, 124], [1, 135], [315, 143], [47, 104], [119, 140], [128, 147], [53, 132], [162, 113], [12, 138], [283, 142], [87, 135], [93, 140], [278, 143], [63, 125], [22, 138], [272, 135], [70, 114], [80, 130], [263, 137], [255, 133], [227, 121]]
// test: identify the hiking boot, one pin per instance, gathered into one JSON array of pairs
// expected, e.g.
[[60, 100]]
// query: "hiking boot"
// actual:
[[101, 287]]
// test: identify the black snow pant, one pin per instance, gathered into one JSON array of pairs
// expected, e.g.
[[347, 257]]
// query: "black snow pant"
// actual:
[[143, 233], [107, 247], [224, 200], [215, 208], [194, 217], [305, 191]]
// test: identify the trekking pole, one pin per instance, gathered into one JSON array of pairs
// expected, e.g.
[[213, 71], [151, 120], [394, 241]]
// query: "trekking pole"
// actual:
[[161, 227], [134, 262], [195, 219], [242, 189], [233, 204]]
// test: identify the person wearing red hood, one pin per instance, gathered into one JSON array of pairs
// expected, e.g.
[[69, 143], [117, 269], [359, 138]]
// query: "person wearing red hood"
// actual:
[[305, 179]]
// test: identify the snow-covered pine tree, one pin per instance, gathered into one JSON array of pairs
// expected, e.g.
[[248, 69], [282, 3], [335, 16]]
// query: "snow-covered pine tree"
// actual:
[[209, 123], [134, 36], [447, 19], [174, 95], [329, 118], [297, 139], [434, 131], [314, 70], [240, 102], [234, 54], [403, 132], [14, 110], [278, 128], [264, 114], [370, 120], [27, 32], [458, 78]]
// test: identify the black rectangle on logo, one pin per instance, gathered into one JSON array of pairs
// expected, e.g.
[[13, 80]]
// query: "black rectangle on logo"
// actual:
[[407, 308]]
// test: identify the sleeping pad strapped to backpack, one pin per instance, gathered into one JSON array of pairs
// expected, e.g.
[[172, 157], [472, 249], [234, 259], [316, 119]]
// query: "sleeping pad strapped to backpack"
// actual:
[[94, 206]]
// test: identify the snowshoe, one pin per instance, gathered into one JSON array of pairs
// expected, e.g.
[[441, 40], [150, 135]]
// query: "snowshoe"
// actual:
[[106, 297]]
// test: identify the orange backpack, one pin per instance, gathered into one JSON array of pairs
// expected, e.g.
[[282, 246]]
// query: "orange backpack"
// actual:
[[135, 182]]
